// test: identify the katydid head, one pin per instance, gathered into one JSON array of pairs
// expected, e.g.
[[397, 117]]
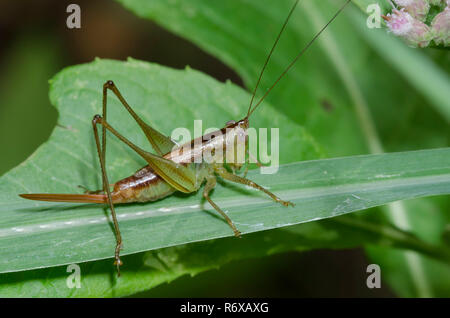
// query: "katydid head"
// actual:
[[236, 143], [240, 124]]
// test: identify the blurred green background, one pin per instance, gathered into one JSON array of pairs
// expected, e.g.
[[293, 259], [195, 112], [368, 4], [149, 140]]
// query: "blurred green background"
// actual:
[[36, 44]]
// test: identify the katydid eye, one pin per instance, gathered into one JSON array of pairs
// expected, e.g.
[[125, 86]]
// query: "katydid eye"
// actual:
[[230, 122]]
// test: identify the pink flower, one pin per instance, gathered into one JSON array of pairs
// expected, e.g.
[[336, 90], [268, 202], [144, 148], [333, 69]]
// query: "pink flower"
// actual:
[[414, 32], [440, 27], [416, 8], [399, 22]]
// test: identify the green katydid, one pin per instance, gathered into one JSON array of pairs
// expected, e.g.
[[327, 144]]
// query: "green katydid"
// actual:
[[173, 168]]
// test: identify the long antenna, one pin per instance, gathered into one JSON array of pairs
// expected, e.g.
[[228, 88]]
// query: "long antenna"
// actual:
[[270, 54], [297, 57]]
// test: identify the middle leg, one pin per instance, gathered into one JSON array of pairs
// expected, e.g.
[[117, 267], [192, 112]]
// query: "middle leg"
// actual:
[[210, 184]]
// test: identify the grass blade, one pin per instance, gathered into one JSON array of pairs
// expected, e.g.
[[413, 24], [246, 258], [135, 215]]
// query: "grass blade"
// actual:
[[46, 234]]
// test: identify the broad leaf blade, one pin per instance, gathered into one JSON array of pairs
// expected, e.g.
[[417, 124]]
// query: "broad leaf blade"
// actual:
[[147, 270]]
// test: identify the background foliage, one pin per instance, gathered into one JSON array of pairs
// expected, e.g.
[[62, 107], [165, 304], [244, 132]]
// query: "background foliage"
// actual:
[[360, 91]]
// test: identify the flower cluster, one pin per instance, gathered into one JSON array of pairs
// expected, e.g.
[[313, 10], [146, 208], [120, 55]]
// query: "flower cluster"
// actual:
[[441, 26], [408, 20]]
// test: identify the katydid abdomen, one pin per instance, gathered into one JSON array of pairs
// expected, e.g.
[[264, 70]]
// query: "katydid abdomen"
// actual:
[[143, 186]]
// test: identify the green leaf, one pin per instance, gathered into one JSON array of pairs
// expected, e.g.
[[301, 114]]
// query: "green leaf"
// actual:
[[147, 270]]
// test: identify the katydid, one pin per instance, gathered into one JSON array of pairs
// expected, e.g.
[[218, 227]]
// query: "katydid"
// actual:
[[173, 168]]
